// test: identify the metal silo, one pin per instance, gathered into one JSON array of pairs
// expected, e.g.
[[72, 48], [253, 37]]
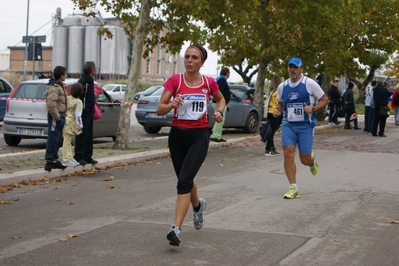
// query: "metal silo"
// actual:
[[121, 52], [108, 54], [60, 47], [72, 21], [92, 44], [90, 21], [75, 50]]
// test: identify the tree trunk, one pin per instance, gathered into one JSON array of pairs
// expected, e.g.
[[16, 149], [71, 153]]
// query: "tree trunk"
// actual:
[[126, 106], [260, 84]]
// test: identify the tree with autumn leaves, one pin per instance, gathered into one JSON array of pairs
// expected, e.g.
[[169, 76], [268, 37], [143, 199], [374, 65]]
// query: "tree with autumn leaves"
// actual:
[[351, 37]]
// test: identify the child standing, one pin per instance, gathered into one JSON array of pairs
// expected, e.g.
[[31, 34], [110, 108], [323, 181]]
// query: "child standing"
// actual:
[[73, 123]]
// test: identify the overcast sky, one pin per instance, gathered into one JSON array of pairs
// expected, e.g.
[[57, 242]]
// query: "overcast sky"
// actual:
[[14, 19]]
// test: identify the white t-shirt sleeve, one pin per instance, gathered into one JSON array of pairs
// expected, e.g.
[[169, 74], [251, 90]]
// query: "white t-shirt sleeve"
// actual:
[[280, 92], [314, 88]]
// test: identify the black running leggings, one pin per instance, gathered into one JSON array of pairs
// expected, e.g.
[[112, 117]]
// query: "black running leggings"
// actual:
[[188, 148]]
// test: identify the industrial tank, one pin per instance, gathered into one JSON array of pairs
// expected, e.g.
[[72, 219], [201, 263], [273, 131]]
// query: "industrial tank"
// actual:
[[72, 21], [121, 53], [90, 21], [108, 54], [75, 50], [60, 46], [92, 44]]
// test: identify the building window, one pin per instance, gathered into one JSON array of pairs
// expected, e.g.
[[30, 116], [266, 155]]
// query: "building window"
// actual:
[[147, 66], [158, 51], [158, 66], [174, 67]]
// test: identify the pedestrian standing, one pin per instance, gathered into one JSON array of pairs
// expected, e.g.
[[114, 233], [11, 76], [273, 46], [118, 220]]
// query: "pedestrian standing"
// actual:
[[299, 98], [350, 108], [275, 122], [189, 135], [380, 96], [225, 90], [84, 141], [395, 105], [73, 124], [334, 97], [56, 105], [369, 108]]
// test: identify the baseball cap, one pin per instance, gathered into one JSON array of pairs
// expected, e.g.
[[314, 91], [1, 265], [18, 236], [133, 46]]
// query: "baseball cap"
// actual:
[[296, 61]]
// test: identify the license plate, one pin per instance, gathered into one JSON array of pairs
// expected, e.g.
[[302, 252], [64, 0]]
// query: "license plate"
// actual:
[[154, 115], [30, 131]]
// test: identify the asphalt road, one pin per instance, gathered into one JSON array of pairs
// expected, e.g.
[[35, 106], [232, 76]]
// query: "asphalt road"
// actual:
[[121, 216]]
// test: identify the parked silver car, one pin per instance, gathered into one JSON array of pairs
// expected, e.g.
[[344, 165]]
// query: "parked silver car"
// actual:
[[26, 114], [117, 91], [240, 115], [146, 92]]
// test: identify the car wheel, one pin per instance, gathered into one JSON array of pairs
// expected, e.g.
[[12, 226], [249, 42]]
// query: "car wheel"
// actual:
[[152, 130], [12, 140], [251, 124]]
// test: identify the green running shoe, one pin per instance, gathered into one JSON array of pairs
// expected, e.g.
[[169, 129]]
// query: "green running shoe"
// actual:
[[292, 193], [314, 169]]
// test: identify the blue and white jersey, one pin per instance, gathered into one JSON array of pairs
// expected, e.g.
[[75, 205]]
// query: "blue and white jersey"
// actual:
[[294, 95]]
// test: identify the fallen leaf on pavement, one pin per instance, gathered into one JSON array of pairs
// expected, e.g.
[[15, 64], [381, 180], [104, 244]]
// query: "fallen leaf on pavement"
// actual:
[[110, 178], [16, 237], [110, 186], [394, 222], [62, 239], [58, 199], [70, 203], [221, 165], [5, 202], [72, 235]]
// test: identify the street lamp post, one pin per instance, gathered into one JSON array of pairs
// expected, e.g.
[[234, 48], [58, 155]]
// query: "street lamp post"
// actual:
[[26, 44]]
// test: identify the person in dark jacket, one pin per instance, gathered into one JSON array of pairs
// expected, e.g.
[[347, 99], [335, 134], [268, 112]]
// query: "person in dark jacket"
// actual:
[[225, 90], [380, 95], [84, 141], [334, 97], [349, 107]]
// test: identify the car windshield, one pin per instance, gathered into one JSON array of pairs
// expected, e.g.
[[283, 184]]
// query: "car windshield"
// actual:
[[152, 89], [31, 91], [158, 92], [108, 87]]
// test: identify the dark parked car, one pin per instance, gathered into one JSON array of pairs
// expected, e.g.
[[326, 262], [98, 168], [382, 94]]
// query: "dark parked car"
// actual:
[[240, 115], [26, 114], [5, 90]]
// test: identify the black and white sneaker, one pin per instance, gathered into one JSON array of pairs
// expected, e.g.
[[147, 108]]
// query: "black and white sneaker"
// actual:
[[199, 218], [174, 236], [271, 152]]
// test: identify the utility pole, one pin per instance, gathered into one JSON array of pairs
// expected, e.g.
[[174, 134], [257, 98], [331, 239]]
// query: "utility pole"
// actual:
[[26, 44]]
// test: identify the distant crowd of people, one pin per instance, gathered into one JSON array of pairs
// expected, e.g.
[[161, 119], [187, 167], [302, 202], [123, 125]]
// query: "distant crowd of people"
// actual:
[[377, 97]]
